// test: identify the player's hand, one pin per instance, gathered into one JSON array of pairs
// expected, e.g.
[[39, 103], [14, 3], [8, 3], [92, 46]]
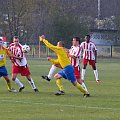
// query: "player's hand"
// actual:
[[95, 61], [48, 58], [42, 38], [20, 58]]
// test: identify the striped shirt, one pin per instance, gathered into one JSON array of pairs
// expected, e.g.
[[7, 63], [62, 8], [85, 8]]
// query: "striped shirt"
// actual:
[[75, 51], [17, 51], [88, 50]]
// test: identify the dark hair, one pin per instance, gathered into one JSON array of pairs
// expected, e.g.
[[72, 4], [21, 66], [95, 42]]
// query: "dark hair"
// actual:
[[77, 39], [15, 37], [88, 36]]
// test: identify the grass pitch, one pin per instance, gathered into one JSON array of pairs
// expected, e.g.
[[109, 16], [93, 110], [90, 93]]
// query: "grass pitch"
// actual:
[[104, 103]]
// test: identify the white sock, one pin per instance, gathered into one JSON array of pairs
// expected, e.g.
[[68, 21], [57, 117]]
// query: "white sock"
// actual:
[[52, 71], [32, 84], [84, 86], [17, 81], [96, 74], [83, 74]]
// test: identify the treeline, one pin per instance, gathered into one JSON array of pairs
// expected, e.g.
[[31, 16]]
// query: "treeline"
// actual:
[[57, 19]]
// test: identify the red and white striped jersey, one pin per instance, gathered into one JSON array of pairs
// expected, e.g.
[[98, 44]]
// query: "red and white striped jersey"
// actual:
[[75, 51], [88, 50], [17, 51]]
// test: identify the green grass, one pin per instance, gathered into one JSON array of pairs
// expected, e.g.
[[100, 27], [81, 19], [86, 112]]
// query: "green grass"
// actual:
[[104, 103]]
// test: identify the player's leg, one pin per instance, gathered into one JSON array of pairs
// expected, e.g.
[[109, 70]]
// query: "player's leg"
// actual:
[[69, 72], [26, 72], [59, 84], [15, 71], [84, 69], [83, 72], [71, 77], [17, 81], [50, 74], [78, 77], [96, 75], [82, 83], [92, 63], [31, 82], [4, 73], [10, 89], [79, 87]]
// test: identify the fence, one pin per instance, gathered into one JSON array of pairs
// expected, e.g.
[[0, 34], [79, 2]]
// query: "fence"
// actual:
[[109, 50], [103, 51]]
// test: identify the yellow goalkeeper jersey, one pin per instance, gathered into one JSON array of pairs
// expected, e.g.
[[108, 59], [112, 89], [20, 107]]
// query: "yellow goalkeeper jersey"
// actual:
[[63, 59], [3, 54]]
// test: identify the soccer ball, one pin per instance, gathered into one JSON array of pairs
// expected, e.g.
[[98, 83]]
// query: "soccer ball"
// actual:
[[5, 44], [25, 48]]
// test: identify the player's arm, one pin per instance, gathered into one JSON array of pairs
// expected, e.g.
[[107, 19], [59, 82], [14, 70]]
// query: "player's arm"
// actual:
[[95, 52], [11, 55], [49, 45], [81, 46], [53, 61], [72, 56], [11, 58], [76, 54]]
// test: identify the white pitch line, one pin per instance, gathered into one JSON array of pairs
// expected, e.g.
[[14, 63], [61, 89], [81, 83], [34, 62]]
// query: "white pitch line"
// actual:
[[67, 105]]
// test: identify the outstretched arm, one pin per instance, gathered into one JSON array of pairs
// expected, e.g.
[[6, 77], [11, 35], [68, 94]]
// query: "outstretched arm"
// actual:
[[49, 45]]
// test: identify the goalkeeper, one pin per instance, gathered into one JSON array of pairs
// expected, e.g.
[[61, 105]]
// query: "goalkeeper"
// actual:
[[68, 71]]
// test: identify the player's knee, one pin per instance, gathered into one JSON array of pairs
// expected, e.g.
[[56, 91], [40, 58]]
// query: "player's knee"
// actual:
[[79, 81], [13, 79], [74, 83], [57, 76], [85, 65], [94, 67]]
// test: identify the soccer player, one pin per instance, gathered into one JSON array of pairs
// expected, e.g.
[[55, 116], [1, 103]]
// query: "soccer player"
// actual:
[[20, 66], [68, 71], [3, 70], [74, 56], [89, 55]]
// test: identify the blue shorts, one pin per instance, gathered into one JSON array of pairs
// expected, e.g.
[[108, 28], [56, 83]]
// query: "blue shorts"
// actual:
[[3, 71], [68, 73]]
